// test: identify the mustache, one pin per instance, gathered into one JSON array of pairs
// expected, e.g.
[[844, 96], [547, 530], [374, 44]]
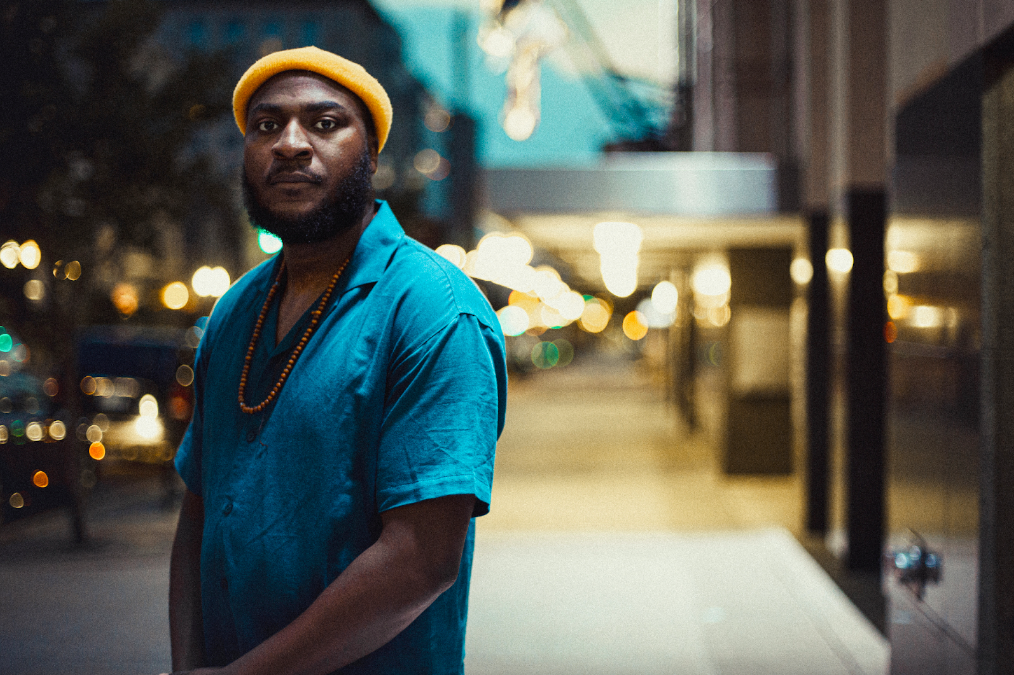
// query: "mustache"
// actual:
[[285, 173]]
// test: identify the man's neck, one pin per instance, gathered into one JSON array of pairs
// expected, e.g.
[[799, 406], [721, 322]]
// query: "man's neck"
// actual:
[[309, 269]]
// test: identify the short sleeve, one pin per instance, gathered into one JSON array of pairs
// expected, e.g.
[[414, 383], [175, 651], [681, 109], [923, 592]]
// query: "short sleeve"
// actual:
[[188, 456], [444, 411]]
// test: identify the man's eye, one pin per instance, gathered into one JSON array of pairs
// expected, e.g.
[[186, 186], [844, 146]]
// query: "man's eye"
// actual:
[[326, 124], [266, 126]]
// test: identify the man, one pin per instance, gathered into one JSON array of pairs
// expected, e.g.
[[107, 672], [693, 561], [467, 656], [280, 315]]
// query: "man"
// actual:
[[350, 392]]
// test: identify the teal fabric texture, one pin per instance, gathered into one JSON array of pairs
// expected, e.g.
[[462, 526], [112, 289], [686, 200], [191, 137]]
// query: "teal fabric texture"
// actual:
[[398, 397]]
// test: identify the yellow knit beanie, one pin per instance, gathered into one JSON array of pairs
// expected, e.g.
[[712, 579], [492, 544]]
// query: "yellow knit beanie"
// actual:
[[350, 75]]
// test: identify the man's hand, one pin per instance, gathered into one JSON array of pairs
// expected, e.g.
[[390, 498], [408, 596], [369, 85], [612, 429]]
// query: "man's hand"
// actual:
[[415, 559]]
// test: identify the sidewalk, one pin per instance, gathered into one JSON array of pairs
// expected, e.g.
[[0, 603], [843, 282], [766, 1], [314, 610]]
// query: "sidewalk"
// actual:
[[613, 547]]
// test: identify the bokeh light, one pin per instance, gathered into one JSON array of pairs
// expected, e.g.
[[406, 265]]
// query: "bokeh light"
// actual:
[[513, 320], [454, 253], [712, 279], [57, 430], [3, 434], [426, 161], [437, 119], [51, 387], [839, 260], [88, 385], [35, 290], [104, 387], [545, 355], [34, 431], [618, 244], [890, 332], [620, 279], [30, 254], [566, 351], [124, 297], [40, 479], [16, 500], [927, 316], [595, 316], [665, 297], [96, 450], [890, 282], [570, 305], [10, 254], [497, 41], [148, 428], [148, 406], [175, 295], [801, 271], [719, 316], [634, 326], [210, 281], [93, 433], [268, 242], [898, 307], [902, 262], [551, 318], [612, 238], [520, 122], [651, 315], [185, 375]]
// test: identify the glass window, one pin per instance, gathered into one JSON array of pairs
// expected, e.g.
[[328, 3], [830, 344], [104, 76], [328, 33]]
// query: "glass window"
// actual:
[[197, 33], [233, 32], [273, 29], [309, 32]]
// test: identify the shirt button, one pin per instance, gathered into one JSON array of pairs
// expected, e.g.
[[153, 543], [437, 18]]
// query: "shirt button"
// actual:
[[227, 509], [251, 436]]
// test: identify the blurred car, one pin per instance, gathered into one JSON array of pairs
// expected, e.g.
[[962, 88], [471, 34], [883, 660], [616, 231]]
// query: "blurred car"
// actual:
[[39, 461], [138, 397]]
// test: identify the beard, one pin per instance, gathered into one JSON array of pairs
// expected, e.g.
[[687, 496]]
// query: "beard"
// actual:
[[337, 213]]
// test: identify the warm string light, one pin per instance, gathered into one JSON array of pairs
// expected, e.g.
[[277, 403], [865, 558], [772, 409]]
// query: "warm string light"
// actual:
[[515, 43]]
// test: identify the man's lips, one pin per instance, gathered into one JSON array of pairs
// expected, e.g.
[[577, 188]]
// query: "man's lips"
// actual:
[[293, 177]]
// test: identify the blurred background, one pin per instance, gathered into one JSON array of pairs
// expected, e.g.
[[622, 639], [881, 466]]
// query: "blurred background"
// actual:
[[749, 258]]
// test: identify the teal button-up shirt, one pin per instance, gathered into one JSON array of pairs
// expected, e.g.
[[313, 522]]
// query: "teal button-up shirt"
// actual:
[[398, 397]]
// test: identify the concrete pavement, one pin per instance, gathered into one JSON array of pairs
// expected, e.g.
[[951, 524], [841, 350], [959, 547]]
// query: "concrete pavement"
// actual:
[[613, 547]]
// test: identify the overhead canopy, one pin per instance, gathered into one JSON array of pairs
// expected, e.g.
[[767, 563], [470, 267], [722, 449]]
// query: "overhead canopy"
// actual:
[[703, 184]]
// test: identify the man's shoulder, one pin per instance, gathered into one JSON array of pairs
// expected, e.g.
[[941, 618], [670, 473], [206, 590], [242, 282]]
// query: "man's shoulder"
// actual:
[[423, 278]]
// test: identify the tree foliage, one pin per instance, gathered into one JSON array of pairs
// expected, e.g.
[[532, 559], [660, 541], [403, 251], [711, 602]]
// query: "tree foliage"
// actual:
[[105, 127]]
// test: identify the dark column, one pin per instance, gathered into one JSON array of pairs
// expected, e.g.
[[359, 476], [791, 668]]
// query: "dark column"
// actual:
[[759, 425], [996, 548], [818, 358], [464, 176], [867, 379], [812, 80]]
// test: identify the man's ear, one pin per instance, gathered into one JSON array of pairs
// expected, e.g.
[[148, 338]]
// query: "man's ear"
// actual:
[[374, 153]]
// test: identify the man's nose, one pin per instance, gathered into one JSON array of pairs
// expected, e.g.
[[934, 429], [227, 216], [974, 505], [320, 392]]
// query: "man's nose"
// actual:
[[292, 143]]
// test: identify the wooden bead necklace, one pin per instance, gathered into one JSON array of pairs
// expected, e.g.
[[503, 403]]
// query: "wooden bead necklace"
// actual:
[[314, 320]]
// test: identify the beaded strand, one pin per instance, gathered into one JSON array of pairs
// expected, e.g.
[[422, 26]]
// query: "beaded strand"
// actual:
[[314, 320]]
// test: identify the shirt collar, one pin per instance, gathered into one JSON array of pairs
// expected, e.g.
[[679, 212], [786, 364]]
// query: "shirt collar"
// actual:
[[375, 248]]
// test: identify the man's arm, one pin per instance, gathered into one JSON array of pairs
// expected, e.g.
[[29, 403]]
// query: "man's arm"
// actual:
[[415, 559], [186, 627]]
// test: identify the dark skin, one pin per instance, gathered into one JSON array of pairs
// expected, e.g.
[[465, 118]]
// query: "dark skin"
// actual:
[[301, 124]]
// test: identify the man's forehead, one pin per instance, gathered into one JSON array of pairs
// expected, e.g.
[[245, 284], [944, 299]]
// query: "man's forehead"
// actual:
[[306, 83]]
